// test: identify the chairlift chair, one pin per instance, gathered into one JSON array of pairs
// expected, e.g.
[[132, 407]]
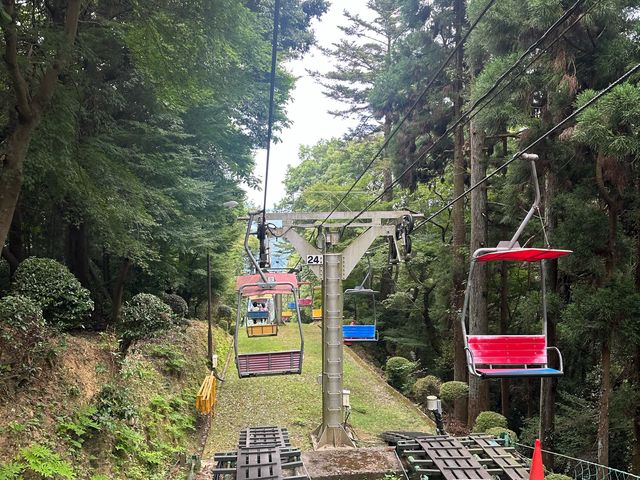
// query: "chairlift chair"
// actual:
[[263, 324], [366, 332], [359, 332], [512, 356], [281, 362]]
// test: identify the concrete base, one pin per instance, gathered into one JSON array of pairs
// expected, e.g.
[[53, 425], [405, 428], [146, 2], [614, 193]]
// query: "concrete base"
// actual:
[[325, 437], [358, 464]]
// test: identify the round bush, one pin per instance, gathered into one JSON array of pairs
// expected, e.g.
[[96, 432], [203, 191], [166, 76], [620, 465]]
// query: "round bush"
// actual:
[[557, 476], [452, 391], [399, 373], [426, 386], [144, 316], [487, 420], [64, 301], [224, 311], [24, 341], [177, 304], [501, 432]]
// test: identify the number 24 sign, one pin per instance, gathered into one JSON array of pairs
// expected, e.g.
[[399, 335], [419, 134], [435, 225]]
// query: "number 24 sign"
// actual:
[[315, 259]]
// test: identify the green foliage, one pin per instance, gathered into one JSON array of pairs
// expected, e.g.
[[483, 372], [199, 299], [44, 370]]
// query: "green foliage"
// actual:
[[452, 391], [174, 360], [75, 429], [612, 126], [557, 476], [64, 302], [502, 432], [177, 304], [426, 386], [144, 316], [37, 462], [487, 420], [25, 341], [224, 311], [399, 372], [113, 402], [5, 277]]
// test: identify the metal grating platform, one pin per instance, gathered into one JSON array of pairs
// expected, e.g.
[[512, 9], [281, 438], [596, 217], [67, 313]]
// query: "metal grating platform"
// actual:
[[478, 456], [264, 453]]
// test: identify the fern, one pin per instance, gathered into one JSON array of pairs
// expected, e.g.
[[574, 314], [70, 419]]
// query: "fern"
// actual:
[[41, 460]]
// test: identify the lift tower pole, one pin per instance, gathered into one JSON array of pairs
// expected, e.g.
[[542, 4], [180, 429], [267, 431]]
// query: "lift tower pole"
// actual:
[[332, 266]]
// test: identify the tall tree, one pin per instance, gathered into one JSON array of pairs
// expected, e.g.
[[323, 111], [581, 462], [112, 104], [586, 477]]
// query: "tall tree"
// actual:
[[32, 85]]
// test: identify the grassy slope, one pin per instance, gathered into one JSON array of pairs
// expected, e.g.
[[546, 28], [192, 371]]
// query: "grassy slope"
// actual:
[[161, 392], [295, 400]]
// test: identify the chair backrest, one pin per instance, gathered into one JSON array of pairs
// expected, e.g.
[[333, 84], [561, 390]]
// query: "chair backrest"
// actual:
[[508, 349]]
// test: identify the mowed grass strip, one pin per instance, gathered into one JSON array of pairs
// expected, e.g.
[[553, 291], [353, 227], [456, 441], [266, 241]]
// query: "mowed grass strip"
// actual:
[[295, 401]]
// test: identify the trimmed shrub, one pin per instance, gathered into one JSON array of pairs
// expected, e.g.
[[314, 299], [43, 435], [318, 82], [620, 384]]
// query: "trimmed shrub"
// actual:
[[399, 372], [452, 391], [64, 301], [24, 341], [557, 476], [501, 432], [487, 420], [177, 304], [425, 386], [224, 311], [144, 316]]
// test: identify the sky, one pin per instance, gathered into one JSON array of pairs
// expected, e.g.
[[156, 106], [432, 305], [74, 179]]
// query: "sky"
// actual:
[[308, 108]]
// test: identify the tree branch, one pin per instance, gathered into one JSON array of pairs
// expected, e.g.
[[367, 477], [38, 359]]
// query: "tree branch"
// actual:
[[11, 60], [50, 78]]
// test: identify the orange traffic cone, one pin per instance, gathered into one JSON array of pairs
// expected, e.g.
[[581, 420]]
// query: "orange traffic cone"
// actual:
[[537, 468]]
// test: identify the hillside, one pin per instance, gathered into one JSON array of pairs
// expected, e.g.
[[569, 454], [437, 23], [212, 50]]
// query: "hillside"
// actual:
[[85, 419], [295, 401]]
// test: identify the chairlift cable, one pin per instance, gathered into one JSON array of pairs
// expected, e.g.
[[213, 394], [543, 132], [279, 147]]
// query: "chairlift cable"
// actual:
[[470, 113], [413, 107], [272, 88]]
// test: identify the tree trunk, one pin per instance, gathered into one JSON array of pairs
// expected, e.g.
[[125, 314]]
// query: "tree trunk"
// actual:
[[78, 253], [505, 403], [635, 464], [16, 238], [386, 162], [118, 291], [457, 220], [603, 419], [12, 174], [478, 321], [29, 105]]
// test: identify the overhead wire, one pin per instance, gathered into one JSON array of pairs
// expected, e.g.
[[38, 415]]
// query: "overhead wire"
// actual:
[[491, 94], [272, 89], [414, 105]]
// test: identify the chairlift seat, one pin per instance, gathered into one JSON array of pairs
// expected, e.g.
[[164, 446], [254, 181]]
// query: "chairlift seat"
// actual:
[[269, 363], [305, 302], [291, 305], [504, 356], [262, 330], [359, 333], [316, 314]]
